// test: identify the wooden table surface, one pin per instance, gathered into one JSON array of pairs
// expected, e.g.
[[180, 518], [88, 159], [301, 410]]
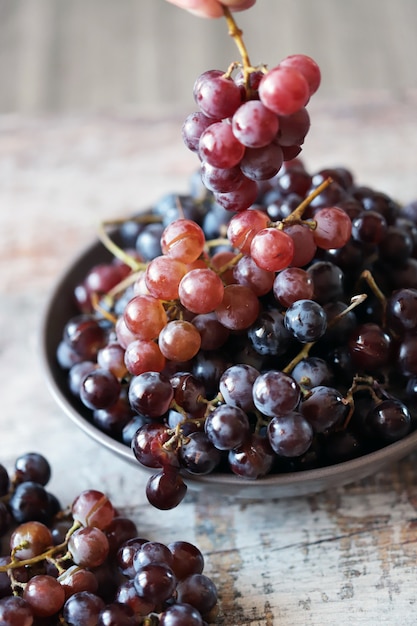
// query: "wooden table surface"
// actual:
[[347, 556]]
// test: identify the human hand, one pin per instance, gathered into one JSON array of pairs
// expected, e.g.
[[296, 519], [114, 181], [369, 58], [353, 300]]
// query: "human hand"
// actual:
[[212, 8]]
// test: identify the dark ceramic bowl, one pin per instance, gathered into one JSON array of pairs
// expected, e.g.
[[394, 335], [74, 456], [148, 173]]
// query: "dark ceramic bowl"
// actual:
[[60, 309]]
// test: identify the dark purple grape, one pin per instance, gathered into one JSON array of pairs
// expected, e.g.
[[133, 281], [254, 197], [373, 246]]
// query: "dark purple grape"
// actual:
[[369, 227], [188, 393], [396, 247], [324, 407], [187, 559], [155, 581], [268, 335], [166, 489], [100, 389], [306, 320], [152, 552], [402, 310], [83, 609], [275, 393], [181, 615], [253, 459], [198, 455], [389, 420], [15, 611], [116, 614], [148, 242], [227, 427], [311, 372], [236, 386], [199, 591], [32, 466], [30, 501], [407, 355], [150, 394], [327, 280], [290, 435], [148, 446], [370, 347], [126, 553], [86, 336]]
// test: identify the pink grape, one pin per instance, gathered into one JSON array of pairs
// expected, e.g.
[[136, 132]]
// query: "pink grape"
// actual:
[[272, 249], [307, 67], [219, 147], [145, 316], [144, 356], [216, 95], [243, 227], [163, 275], [284, 90], [333, 228], [183, 240], [179, 340], [254, 125], [201, 290]]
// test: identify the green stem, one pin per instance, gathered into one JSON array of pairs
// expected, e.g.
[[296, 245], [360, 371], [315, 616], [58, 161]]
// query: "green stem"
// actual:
[[236, 34], [116, 250], [297, 214], [48, 554]]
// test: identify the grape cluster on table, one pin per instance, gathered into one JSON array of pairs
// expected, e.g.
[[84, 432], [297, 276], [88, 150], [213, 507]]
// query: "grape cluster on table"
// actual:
[[204, 360], [88, 565]]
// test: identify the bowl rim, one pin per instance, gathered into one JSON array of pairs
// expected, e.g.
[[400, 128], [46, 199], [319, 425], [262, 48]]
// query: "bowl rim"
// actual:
[[335, 474]]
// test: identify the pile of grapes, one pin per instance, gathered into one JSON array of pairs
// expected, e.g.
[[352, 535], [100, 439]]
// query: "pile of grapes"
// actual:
[[207, 352], [266, 321], [88, 566]]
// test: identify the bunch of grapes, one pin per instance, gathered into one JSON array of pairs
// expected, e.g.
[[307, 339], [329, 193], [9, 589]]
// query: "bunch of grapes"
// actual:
[[248, 124], [88, 565]]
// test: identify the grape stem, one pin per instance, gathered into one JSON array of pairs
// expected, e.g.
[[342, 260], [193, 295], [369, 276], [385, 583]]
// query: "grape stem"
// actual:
[[236, 34], [116, 250], [48, 554], [370, 280], [296, 216], [359, 383]]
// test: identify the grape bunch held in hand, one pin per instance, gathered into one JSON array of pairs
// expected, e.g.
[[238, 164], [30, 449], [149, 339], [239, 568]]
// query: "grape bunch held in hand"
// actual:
[[250, 120]]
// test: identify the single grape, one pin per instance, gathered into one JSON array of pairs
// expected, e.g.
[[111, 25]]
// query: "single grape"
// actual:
[[150, 394], [324, 407], [306, 320], [253, 459], [44, 594], [166, 489], [284, 90], [254, 125], [290, 435], [272, 249], [227, 427], [181, 614], [275, 393]]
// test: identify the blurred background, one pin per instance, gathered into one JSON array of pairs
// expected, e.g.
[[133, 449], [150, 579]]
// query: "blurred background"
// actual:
[[65, 56]]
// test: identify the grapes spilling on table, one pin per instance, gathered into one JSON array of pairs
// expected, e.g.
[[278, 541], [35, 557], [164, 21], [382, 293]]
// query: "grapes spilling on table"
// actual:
[[263, 323], [88, 564]]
